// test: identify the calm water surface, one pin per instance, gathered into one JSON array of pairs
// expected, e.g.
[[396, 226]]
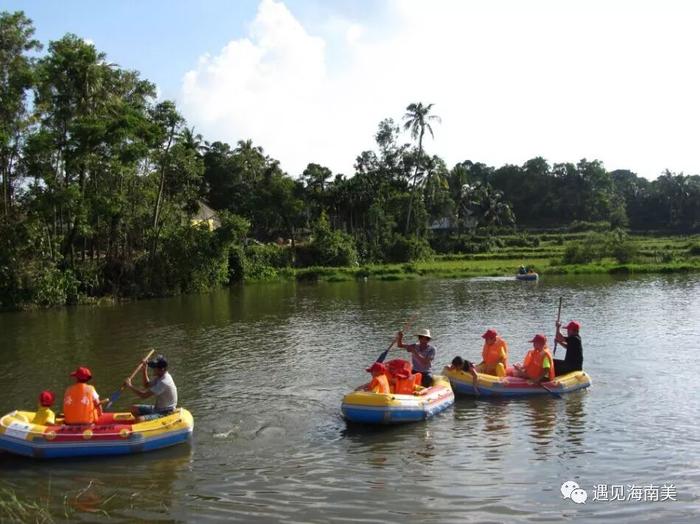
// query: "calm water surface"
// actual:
[[263, 369]]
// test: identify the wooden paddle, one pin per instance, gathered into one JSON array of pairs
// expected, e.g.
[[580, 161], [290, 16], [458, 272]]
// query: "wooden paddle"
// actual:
[[555, 335], [115, 396], [550, 391], [406, 327]]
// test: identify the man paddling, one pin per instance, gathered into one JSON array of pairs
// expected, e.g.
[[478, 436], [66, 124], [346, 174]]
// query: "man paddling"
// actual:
[[162, 387], [573, 361], [422, 355]]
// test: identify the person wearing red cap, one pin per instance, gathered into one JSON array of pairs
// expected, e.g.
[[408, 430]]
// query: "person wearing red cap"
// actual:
[[573, 361], [494, 354], [380, 382], [538, 364], [81, 403], [44, 415]]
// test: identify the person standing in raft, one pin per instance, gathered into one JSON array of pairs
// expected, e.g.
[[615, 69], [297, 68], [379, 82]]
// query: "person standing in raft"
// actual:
[[494, 354], [380, 382], [573, 361], [81, 403], [422, 355], [162, 387], [538, 365]]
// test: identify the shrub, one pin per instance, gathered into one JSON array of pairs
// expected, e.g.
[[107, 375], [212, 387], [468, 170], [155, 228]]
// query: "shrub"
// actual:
[[521, 241], [331, 247], [694, 250], [577, 253], [409, 249], [582, 225], [624, 252], [53, 287]]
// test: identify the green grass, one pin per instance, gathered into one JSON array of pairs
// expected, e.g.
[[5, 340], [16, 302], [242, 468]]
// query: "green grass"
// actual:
[[655, 254]]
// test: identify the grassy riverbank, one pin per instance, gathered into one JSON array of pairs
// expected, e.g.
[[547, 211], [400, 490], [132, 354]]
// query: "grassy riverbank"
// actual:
[[639, 254]]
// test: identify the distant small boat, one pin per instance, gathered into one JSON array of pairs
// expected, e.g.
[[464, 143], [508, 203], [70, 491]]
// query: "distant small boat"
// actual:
[[376, 408], [526, 276], [490, 385]]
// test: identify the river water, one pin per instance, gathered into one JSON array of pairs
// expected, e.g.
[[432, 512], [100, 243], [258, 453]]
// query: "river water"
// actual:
[[263, 369]]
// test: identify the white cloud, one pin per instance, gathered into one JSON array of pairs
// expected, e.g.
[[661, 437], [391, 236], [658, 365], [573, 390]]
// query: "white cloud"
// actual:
[[510, 79]]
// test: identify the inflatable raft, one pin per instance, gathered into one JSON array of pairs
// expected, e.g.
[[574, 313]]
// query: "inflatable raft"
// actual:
[[113, 434], [527, 276], [490, 385], [376, 408]]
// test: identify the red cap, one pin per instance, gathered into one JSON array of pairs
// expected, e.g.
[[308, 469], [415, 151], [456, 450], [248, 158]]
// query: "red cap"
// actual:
[[573, 326], [82, 374], [46, 398], [539, 338], [490, 333], [377, 367]]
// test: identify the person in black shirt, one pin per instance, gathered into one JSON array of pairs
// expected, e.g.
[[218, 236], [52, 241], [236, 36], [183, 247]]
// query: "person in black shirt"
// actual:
[[574, 350]]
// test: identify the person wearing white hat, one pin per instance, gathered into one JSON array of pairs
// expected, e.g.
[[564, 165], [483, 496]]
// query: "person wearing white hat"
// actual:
[[422, 355]]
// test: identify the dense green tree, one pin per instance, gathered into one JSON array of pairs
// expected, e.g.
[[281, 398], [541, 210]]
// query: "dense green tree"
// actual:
[[16, 78]]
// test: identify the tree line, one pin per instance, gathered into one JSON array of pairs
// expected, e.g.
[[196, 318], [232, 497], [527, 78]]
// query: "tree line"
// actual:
[[101, 182]]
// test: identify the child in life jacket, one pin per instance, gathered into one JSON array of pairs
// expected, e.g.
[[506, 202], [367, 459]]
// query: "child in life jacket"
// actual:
[[44, 416], [380, 382], [81, 403], [538, 364], [402, 380]]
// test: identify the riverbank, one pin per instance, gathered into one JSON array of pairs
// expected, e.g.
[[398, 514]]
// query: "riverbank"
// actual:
[[547, 254], [643, 254]]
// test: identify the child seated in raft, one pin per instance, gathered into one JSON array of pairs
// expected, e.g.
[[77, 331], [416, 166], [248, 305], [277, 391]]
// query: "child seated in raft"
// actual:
[[44, 415], [538, 364], [401, 380], [81, 403], [380, 382]]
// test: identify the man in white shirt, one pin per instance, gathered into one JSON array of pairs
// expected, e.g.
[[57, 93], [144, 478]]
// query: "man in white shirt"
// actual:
[[162, 386]]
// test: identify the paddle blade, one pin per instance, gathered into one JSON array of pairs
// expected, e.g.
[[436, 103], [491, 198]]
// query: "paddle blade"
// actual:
[[113, 398]]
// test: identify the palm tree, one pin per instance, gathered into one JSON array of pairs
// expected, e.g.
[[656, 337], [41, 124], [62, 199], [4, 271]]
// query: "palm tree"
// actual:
[[193, 141], [417, 120]]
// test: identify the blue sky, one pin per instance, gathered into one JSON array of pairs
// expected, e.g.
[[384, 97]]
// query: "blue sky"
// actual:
[[309, 80], [164, 38]]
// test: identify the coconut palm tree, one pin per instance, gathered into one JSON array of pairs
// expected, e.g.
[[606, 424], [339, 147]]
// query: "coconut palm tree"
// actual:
[[417, 120]]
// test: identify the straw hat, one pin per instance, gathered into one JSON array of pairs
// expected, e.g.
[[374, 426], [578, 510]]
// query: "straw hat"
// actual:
[[423, 333]]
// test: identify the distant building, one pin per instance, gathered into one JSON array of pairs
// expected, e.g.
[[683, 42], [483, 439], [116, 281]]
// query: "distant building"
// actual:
[[205, 215], [450, 225]]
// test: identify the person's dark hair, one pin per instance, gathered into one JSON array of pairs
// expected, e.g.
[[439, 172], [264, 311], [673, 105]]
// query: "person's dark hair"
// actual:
[[458, 362], [467, 365], [159, 362]]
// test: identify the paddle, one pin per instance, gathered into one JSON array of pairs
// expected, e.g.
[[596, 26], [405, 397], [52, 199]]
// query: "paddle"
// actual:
[[115, 396], [550, 391], [555, 335], [406, 327]]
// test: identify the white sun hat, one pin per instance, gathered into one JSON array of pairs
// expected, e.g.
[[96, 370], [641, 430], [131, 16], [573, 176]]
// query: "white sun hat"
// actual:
[[423, 333]]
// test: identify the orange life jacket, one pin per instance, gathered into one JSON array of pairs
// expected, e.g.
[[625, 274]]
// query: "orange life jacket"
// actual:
[[491, 354], [380, 384], [533, 363], [79, 404], [404, 386]]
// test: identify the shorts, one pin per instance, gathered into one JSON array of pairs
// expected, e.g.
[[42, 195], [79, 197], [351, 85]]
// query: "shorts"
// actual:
[[149, 412]]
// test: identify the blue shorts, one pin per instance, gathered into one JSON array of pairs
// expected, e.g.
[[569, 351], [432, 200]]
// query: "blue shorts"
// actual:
[[149, 412]]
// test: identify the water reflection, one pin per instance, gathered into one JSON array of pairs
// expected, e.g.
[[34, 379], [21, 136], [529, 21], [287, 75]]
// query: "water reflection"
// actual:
[[540, 416]]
